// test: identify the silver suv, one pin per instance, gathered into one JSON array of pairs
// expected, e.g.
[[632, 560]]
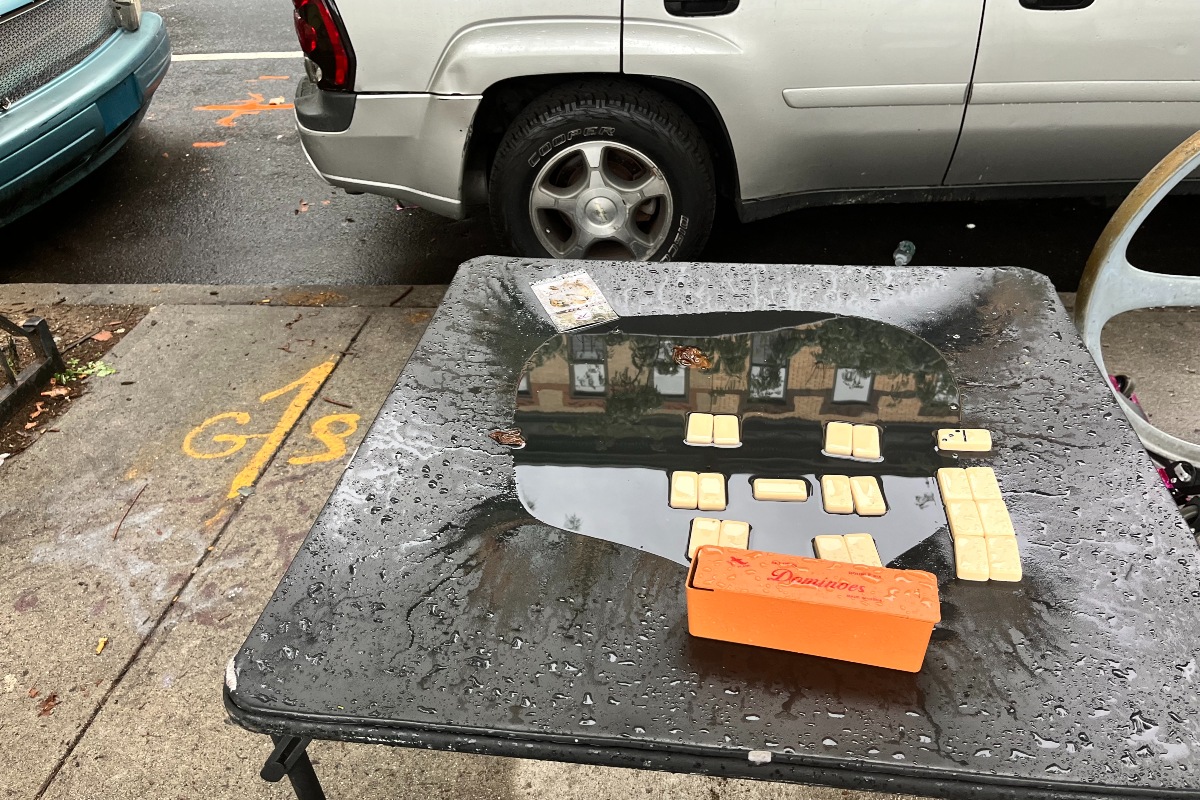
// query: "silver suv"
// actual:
[[608, 128]]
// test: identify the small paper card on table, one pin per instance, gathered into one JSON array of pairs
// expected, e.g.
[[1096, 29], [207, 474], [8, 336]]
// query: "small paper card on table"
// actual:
[[573, 301]]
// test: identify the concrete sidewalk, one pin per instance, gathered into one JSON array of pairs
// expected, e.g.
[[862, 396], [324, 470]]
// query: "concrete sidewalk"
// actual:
[[162, 514]]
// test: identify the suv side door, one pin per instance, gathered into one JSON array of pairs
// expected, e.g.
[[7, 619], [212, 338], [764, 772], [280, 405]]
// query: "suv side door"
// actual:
[[819, 94], [1077, 90]]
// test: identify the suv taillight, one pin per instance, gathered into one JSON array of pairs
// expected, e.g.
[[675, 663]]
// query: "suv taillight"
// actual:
[[324, 42]]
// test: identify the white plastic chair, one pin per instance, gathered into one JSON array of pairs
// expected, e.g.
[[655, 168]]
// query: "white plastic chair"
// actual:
[[1112, 286]]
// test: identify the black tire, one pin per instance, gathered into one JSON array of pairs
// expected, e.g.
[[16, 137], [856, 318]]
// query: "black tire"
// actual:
[[605, 110]]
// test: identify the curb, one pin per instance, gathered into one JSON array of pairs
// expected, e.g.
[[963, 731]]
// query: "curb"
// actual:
[[385, 296]]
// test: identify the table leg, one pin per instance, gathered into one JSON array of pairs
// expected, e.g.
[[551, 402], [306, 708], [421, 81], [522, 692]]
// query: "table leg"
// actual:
[[290, 758]]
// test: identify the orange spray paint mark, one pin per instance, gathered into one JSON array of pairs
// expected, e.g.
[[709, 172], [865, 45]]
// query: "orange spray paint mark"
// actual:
[[208, 144], [273, 77], [253, 106]]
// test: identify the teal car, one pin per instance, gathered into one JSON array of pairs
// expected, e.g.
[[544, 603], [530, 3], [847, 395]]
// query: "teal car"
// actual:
[[76, 76]]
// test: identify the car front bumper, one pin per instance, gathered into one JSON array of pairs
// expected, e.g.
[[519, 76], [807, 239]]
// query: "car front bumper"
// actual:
[[54, 136], [407, 146]]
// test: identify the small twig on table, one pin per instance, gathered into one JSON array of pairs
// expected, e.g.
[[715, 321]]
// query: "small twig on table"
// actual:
[[126, 514]]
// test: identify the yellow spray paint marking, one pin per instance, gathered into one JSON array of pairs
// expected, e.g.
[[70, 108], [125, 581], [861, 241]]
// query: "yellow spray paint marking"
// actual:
[[323, 430], [236, 441], [334, 441], [308, 387]]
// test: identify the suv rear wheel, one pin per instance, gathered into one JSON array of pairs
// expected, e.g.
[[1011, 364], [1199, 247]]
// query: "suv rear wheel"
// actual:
[[603, 170]]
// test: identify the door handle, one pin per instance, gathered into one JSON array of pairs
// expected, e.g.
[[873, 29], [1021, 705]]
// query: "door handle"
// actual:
[[1056, 5], [700, 8]]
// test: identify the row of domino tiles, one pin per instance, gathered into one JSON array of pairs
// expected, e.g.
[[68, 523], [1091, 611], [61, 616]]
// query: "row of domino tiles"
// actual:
[[852, 548], [861, 442], [705, 491]]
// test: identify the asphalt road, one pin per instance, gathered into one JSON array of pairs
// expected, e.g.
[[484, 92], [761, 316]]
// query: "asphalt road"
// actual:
[[191, 200]]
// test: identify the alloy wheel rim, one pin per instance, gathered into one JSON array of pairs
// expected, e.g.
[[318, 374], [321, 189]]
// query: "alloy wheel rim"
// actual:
[[601, 200]]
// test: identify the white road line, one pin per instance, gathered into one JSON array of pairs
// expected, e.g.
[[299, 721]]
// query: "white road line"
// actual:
[[234, 56]]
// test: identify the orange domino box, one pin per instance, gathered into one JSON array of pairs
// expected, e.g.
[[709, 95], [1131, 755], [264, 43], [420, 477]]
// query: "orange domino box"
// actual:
[[850, 612]]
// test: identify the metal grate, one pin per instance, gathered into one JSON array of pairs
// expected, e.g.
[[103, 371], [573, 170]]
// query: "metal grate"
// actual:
[[19, 383], [39, 43]]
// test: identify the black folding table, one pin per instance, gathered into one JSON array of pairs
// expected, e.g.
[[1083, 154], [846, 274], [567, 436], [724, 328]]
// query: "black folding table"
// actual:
[[431, 607]]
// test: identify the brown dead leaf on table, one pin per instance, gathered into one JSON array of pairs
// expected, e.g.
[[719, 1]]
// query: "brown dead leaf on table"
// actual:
[[509, 437], [102, 336], [688, 356]]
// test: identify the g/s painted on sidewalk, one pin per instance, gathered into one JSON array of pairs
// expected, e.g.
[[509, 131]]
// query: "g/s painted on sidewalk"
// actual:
[[330, 431]]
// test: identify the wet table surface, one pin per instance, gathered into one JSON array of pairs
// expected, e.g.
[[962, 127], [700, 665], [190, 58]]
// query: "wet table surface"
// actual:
[[458, 594]]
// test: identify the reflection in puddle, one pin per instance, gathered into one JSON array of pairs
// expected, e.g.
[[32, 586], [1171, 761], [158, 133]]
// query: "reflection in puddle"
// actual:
[[604, 416]]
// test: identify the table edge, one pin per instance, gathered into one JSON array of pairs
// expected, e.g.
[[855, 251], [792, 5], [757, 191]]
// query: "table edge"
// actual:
[[693, 760]]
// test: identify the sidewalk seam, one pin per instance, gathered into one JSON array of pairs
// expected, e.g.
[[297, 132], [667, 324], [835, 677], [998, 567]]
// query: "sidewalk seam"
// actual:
[[209, 549]]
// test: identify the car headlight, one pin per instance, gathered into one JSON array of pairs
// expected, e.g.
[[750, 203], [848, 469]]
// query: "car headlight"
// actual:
[[127, 13]]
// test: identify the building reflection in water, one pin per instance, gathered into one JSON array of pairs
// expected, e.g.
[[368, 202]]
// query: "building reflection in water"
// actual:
[[604, 417]]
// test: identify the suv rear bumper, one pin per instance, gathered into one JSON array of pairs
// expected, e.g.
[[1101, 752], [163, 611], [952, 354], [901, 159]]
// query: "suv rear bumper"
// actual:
[[59, 133], [407, 146]]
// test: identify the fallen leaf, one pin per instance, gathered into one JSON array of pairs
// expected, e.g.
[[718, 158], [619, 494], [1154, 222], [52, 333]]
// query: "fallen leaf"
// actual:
[[102, 336], [100, 645], [303, 206], [30, 425], [509, 437], [688, 356], [276, 101], [33, 692], [47, 706], [38, 410], [119, 330], [57, 391]]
